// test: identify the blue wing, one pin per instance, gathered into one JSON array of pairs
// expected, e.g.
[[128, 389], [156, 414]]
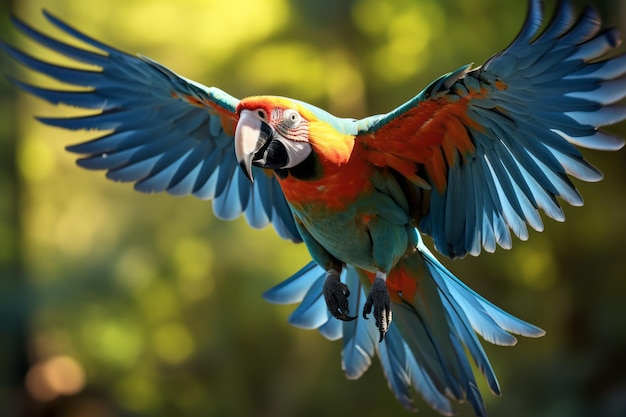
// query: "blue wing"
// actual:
[[163, 132], [496, 144]]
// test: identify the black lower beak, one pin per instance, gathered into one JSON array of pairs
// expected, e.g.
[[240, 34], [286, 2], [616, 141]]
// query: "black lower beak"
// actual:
[[252, 138]]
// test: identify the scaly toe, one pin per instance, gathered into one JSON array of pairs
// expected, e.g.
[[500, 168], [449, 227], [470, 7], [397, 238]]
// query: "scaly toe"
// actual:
[[336, 294], [378, 299]]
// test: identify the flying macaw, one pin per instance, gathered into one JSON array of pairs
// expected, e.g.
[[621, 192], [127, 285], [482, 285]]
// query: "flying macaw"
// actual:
[[470, 159]]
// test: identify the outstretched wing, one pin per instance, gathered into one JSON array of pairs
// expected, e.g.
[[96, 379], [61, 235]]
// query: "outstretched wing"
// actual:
[[486, 148], [163, 132]]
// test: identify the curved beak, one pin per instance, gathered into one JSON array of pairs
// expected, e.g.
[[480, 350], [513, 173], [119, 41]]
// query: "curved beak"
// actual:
[[251, 135]]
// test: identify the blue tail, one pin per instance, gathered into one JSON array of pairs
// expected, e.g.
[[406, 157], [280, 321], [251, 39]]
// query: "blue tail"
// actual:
[[427, 349]]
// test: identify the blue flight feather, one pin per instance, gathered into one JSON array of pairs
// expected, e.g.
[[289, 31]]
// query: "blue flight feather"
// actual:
[[549, 100], [157, 138]]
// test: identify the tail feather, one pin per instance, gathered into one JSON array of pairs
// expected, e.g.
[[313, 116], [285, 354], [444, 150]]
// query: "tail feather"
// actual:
[[394, 359], [486, 319], [472, 393], [422, 383], [332, 329], [465, 333], [432, 336], [402, 371], [360, 337], [293, 289], [422, 320], [312, 312], [435, 356]]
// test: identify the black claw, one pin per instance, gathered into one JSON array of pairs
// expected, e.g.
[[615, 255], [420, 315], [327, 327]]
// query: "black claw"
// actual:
[[336, 294], [378, 298], [344, 317]]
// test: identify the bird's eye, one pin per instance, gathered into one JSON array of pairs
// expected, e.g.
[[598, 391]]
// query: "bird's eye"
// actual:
[[262, 114], [291, 118]]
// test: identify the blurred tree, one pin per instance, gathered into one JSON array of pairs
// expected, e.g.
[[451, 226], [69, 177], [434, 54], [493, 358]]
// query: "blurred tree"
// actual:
[[146, 305]]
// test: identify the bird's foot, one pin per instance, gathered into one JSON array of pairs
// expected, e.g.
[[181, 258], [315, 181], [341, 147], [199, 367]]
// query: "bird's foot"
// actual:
[[336, 294], [378, 298]]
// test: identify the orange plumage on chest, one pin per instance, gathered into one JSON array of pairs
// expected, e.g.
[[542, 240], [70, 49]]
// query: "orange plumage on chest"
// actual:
[[343, 173], [336, 192]]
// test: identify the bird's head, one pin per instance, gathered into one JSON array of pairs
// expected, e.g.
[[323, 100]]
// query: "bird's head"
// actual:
[[272, 133]]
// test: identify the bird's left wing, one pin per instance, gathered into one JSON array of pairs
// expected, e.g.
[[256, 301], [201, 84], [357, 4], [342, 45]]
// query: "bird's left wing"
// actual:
[[162, 132], [486, 148]]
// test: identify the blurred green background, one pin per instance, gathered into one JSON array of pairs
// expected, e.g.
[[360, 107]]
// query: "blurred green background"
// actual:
[[115, 303]]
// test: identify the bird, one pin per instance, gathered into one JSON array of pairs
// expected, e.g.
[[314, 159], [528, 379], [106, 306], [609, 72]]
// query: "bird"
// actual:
[[470, 161]]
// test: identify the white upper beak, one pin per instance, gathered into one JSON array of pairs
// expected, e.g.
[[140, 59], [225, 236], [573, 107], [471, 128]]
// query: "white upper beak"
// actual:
[[249, 138]]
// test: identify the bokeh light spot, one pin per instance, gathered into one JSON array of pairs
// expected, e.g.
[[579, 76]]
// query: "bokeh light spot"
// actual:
[[173, 343], [114, 341], [534, 266], [55, 376]]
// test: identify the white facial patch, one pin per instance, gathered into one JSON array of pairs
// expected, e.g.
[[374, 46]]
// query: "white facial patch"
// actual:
[[297, 151]]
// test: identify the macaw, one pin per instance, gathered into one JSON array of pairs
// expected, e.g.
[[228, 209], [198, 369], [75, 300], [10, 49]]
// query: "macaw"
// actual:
[[469, 161]]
